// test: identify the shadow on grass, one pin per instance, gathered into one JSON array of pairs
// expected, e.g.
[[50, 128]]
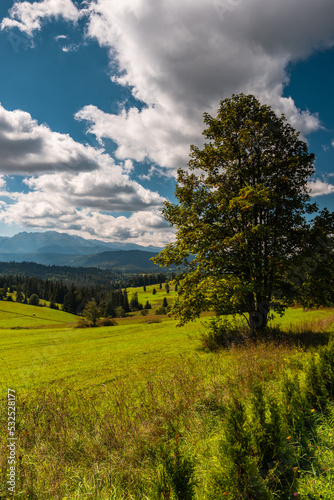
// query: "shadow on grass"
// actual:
[[222, 333], [307, 338]]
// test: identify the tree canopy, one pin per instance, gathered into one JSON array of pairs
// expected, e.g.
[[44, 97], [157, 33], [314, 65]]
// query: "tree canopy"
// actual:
[[241, 214]]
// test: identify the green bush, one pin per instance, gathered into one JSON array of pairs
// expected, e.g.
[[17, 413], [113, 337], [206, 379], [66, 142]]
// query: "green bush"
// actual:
[[161, 311], [177, 474], [239, 477], [223, 333], [34, 300], [106, 322]]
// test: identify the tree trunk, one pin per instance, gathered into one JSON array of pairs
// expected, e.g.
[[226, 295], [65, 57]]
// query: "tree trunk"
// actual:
[[258, 316]]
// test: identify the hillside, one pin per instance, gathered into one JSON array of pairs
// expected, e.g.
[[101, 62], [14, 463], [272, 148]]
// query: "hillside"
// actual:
[[150, 409], [60, 249], [17, 316], [118, 260]]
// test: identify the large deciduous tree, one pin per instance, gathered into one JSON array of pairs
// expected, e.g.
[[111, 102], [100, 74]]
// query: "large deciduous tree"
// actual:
[[240, 216]]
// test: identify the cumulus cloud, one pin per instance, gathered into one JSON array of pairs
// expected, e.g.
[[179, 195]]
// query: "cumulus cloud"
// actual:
[[81, 204], [27, 148], [37, 210], [319, 188], [181, 58], [106, 188], [71, 186], [152, 134], [28, 17]]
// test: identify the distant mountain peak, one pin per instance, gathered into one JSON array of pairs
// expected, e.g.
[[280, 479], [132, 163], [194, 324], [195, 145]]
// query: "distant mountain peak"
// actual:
[[63, 243]]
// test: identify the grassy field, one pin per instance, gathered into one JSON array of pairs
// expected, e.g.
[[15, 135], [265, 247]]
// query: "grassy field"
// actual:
[[115, 412], [50, 350], [13, 315]]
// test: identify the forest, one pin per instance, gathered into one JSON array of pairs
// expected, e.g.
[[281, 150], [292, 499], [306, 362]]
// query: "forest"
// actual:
[[110, 298]]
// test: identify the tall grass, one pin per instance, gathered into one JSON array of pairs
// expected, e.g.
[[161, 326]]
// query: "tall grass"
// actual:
[[239, 423]]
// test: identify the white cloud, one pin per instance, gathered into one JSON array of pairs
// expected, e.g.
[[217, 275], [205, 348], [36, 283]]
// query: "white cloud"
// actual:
[[27, 148], [319, 188], [37, 210], [73, 47], [71, 186], [333, 143], [152, 134], [106, 188], [181, 58], [28, 16]]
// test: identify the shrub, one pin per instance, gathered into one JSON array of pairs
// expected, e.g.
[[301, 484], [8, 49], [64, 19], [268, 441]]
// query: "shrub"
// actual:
[[177, 474], [160, 311], [106, 322], [241, 477], [34, 300], [82, 323], [144, 312], [120, 313], [222, 333]]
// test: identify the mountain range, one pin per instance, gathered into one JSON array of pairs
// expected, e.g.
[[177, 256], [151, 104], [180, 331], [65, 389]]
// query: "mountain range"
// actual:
[[61, 249]]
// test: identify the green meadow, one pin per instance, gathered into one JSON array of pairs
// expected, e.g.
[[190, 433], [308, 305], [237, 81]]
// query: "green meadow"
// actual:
[[13, 315], [141, 410]]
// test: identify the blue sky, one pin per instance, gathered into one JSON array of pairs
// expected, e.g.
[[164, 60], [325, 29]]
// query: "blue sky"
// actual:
[[100, 101]]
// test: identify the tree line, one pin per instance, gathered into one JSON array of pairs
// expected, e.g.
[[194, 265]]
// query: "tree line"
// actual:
[[81, 276], [71, 297]]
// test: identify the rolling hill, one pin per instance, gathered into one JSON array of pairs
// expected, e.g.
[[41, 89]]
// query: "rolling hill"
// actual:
[[60, 249]]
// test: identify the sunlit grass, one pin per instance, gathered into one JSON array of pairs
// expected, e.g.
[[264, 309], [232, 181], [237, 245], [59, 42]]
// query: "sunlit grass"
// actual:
[[95, 405], [14, 315]]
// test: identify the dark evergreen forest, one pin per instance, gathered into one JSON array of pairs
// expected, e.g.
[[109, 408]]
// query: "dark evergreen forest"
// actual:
[[75, 288]]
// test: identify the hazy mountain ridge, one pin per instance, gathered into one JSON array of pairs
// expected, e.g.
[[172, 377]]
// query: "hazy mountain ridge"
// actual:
[[61, 249], [120, 260], [54, 242]]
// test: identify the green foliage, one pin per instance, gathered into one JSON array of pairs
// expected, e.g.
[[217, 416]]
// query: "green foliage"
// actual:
[[119, 311], [34, 300], [222, 332], [91, 313], [106, 322], [326, 357], [134, 303], [240, 215], [267, 421], [161, 310], [177, 478], [316, 391], [242, 478], [19, 294], [95, 409], [316, 269]]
